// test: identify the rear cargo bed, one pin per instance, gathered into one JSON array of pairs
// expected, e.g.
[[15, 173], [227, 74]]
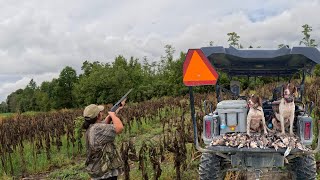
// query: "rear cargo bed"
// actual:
[[227, 149]]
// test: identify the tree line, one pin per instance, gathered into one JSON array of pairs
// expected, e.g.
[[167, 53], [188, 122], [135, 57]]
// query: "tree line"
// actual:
[[104, 83]]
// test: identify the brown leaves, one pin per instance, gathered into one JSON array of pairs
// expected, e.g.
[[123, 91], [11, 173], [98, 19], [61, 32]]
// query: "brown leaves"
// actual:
[[42, 130], [176, 133]]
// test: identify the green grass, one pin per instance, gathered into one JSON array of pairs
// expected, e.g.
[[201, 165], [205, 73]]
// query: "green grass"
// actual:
[[36, 163], [5, 115], [74, 171], [31, 113], [148, 129]]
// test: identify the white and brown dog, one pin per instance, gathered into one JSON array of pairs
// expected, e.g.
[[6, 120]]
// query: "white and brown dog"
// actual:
[[284, 109], [255, 119]]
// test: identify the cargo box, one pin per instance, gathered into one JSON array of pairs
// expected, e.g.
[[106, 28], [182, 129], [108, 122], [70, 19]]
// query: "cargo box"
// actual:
[[233, 116]]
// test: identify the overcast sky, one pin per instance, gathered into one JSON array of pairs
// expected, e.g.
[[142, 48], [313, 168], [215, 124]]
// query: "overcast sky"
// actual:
[[38, 38]]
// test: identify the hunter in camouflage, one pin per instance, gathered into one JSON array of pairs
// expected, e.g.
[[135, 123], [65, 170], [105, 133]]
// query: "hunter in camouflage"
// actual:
[[103, 160]]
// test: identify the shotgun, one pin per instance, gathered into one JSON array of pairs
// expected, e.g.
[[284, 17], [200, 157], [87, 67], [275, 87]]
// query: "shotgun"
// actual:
[[117, 105]]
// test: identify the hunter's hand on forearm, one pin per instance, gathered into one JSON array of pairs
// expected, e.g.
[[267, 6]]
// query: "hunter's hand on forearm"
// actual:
[[121, 106], [116, 122]]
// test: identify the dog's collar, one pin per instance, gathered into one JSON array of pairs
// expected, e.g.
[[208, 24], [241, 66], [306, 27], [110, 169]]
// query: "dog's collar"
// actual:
[[256, 108], [289, 99]]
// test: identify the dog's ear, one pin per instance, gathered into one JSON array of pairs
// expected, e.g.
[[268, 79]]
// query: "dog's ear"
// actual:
[[260, 101], [283, 87], [295, 92]]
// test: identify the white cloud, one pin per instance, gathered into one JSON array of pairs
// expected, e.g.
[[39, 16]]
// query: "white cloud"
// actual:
[[8, 87], [41, 37], [282, 28]]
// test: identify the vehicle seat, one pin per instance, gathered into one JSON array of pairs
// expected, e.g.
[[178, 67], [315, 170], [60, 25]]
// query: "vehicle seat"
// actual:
[[235, 87], [276, 93], [299, 110]]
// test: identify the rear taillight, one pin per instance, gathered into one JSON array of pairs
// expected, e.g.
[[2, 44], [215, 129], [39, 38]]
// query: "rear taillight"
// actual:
[[208, 129], [307, 130]]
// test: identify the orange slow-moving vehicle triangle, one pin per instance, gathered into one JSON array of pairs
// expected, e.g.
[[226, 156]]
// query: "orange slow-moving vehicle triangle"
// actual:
[[197, 70]]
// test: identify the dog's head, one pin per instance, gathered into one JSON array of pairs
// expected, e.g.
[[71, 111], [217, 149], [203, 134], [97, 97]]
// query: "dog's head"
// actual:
[[254, 101], [289, 90]]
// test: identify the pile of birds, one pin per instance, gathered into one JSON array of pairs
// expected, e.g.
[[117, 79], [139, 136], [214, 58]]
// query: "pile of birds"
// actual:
[[275, 141]]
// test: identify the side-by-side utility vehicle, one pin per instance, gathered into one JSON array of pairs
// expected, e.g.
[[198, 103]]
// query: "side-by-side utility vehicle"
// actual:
[[230, 115]]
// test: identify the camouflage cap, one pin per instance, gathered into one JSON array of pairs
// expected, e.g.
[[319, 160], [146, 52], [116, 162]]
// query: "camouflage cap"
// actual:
[[101, 107], [92, 110]]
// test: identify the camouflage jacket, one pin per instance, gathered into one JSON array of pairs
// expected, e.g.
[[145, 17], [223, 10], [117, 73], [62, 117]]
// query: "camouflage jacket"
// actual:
[[103, 159]]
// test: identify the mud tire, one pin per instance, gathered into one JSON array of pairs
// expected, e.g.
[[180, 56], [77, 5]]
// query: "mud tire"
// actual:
[[211, 167], [304, 168]]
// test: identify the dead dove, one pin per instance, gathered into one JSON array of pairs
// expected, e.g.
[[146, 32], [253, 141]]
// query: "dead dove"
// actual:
[[218, 142], [275, 146], [275, 141], [260, 144], [285, 140], [253, 144], [301, 147], [265, 142], [240, 145], [292, 143]]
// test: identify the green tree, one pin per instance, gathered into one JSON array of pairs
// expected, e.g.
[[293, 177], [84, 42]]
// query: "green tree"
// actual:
[[66, 81], [48, 90], [3, 107], [23, 99], [162, 84], [93, 84], [167, 59], [316, 71], [28, 98], [234, 39], [173, 77], [13, 101], [42, 100], [88, 67], [307, 40]]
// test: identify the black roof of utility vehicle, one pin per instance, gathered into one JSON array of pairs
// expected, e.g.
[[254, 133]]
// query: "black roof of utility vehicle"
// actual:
[[262, 62]]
